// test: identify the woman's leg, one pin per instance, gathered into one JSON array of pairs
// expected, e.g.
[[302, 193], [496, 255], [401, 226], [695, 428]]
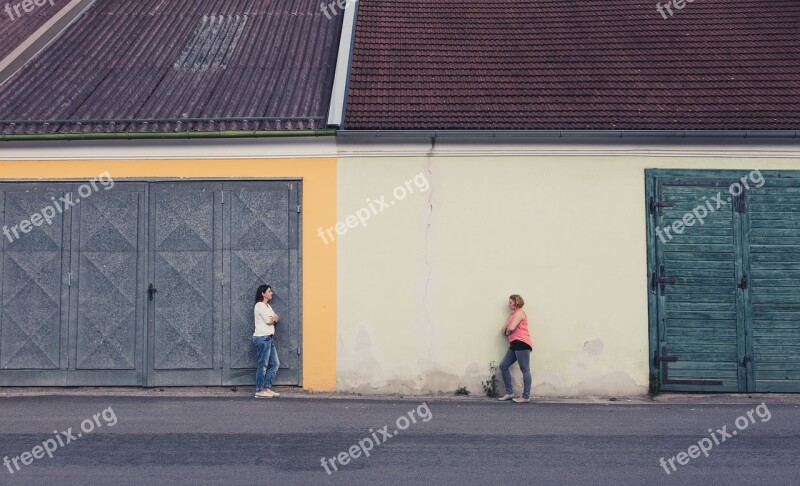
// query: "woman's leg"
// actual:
[[508, 360], [274, 362], [524, 358], [260, 343]]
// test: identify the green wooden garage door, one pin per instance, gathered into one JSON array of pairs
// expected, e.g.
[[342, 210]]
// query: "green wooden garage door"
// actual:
[[724, 280]]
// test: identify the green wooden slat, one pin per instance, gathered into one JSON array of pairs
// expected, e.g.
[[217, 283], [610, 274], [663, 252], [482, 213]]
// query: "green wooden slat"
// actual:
[[785, 386], [792, 254], [721, 310], [772, 215], [674, 314], [682, 365], [726, 350], [789, 324], [764, 350], [777, 375], [776, 315], [700, 324], [677, 256], [702, 334]]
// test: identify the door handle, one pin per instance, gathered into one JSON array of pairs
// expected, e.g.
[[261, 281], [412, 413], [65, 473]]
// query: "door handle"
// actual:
[[151, 292]]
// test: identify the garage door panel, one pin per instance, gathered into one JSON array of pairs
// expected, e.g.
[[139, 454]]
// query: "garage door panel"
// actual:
[[773, 251], [107, 323], [264, 220], [697, 305]]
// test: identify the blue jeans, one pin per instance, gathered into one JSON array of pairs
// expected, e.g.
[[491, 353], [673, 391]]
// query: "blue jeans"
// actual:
[[267, 355], [524, 358]]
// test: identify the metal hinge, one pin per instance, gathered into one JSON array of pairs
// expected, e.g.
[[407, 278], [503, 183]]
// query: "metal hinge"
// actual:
[[658, 205], [69, 279], [657, 281], [298, 350], [298, 208], [223, 197]]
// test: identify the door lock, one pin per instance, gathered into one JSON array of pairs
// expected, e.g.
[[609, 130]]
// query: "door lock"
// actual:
[[151, 292]]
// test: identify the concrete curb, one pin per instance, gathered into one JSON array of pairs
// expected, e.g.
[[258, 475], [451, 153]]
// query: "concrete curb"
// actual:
[[295, 393]]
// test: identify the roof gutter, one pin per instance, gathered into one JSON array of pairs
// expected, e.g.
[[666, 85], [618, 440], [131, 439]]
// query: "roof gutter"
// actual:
[[169, 135], [341, 81], [576, 134], [43, 36]]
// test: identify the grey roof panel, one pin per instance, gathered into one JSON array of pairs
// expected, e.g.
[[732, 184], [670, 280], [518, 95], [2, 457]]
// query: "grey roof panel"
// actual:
[[124, 66]]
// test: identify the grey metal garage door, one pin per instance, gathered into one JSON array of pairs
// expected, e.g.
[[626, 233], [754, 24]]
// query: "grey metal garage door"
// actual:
[[148, 283], [724, 268]]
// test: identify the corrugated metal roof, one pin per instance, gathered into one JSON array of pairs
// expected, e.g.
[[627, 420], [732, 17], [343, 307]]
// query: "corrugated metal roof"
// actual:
[[123, 67], [17, 25], [558, 65]]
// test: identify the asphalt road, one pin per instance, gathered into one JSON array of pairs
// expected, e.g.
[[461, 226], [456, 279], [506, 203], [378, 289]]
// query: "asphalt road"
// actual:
[[242, 440]]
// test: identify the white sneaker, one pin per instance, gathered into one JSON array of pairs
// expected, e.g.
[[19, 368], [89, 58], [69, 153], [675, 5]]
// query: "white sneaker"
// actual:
[[274, 393], [505, 398]]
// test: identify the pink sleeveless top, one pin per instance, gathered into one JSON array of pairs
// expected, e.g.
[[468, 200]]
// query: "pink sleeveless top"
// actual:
[[521, 332]]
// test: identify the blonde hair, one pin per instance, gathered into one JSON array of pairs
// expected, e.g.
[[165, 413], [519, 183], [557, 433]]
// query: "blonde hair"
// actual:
[[518, 300]]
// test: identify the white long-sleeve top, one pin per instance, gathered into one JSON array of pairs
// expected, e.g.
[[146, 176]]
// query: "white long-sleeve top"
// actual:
[[262, 312]]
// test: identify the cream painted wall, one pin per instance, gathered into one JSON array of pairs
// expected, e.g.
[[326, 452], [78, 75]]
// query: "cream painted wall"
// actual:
[[422, 288]]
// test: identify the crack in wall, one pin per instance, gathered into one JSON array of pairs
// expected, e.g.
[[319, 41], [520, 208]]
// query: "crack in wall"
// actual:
[[428, 267]]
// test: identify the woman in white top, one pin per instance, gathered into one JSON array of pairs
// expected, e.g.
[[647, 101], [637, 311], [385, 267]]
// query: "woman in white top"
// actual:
[[268, 362]]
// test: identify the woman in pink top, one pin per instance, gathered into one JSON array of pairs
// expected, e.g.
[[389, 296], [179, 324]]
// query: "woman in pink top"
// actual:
[[516, 329]]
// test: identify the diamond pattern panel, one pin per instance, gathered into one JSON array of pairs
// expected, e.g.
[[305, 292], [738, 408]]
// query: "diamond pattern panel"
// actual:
[[184, 221], [19, 207], [184, 335], [31, 330], [107, 320], [110, 222], [107, 311], [259, 219]]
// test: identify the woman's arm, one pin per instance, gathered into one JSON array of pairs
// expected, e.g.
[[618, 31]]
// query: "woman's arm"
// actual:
[[514, 322]]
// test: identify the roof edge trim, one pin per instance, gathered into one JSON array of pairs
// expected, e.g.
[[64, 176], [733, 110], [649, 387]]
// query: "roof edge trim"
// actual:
[[345, 57], [168, 135], [43, 37], [583, 134]]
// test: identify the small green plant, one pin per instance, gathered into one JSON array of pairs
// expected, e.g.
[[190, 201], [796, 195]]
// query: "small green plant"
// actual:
[[462, 390], [490, 386]]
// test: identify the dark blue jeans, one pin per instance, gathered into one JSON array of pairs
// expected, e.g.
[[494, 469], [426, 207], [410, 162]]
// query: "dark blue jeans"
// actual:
[[267, 361], [524, 358]]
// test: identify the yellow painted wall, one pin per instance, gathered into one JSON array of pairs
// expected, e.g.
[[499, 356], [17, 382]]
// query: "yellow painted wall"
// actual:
[[423, 286], [319, 209]]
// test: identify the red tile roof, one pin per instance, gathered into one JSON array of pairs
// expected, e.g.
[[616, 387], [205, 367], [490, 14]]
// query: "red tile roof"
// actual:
[[159, 66], [581, 65]]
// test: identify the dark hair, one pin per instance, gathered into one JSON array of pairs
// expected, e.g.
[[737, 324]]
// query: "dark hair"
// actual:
[[260, 291]]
